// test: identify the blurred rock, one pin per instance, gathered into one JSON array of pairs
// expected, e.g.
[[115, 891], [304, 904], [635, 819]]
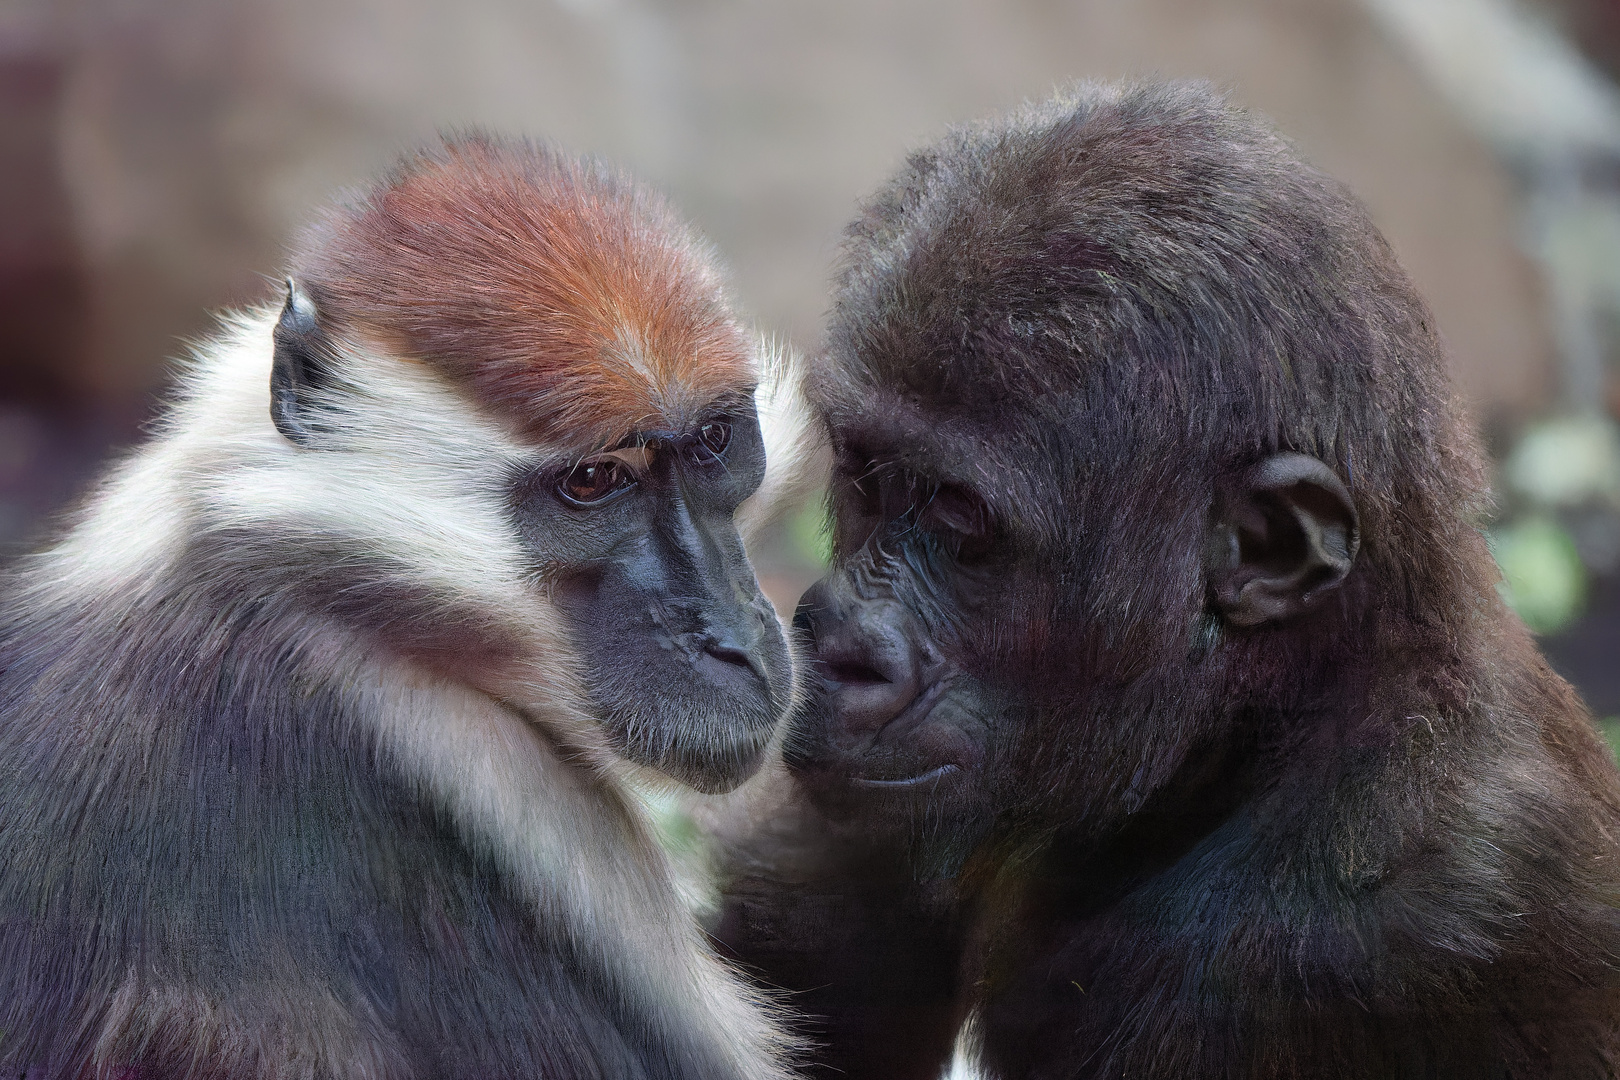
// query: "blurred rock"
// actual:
[[199, 134]]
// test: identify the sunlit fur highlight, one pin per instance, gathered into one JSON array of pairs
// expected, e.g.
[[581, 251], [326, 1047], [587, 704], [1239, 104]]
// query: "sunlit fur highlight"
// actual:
[[796, 453]]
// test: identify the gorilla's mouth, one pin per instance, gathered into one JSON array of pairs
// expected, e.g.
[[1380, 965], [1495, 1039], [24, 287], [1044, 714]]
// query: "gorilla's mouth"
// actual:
[[915, 712], [922, 748], [939, 772]]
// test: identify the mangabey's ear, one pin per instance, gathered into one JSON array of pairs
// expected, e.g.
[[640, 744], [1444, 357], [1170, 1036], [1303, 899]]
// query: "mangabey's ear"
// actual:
[[302, 365], [1282, 537]]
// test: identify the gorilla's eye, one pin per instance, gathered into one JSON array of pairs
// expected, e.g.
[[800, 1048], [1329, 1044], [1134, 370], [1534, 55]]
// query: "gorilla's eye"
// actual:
[[965, 516], [595, 480], [712, 439]]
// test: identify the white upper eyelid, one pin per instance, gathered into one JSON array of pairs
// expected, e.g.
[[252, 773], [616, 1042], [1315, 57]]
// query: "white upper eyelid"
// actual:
[[638, 459]]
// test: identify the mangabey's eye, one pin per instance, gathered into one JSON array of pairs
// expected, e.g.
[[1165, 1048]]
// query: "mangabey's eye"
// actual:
[[712, 440], [595, 480], [965, 517]]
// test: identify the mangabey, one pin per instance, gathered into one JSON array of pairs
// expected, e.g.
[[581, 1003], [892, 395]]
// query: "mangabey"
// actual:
[[313, 728], [1173, 726]]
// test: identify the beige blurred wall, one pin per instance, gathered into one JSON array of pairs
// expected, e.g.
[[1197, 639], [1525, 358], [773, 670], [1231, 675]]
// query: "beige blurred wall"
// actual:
[[195, 135]]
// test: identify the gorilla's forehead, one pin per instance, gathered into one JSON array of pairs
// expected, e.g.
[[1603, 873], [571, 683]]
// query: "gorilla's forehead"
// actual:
[[1112, 231], [966, 337], [1007, 459], [979, 324], [893, 425]]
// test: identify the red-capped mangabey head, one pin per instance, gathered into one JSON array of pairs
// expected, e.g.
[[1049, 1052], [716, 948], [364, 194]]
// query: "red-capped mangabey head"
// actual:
[[516, 407]]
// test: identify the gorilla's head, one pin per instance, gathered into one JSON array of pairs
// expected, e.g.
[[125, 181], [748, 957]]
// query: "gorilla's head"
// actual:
[[1141, 437]]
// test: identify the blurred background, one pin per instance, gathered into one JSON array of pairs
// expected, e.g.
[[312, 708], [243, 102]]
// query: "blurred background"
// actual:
[[156, 156]]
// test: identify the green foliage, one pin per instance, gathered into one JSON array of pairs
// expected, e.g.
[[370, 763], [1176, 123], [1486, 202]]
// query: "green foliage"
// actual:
[[1566, 462], [1610, 726], [1542, 576], [810, 532]]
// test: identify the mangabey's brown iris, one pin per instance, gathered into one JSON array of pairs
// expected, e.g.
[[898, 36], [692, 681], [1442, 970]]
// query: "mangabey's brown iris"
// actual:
[[595, 480]]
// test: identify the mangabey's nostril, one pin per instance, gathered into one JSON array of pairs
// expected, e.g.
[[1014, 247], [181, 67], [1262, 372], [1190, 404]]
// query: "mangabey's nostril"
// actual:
[[850, 673], [730, 653], [726, 649]]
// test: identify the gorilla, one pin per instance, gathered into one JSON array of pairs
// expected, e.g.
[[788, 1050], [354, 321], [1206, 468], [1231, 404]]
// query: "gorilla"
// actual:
[[1169, 723]]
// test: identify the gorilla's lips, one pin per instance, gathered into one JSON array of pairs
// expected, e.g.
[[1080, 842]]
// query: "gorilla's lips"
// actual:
[[930, 742], [937, 773]]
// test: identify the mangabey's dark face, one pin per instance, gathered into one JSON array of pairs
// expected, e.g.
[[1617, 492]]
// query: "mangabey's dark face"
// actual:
[[679, 649]]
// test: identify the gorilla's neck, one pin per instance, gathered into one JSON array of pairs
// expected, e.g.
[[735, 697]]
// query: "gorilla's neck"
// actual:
[[1363, 790], [1094, 860]]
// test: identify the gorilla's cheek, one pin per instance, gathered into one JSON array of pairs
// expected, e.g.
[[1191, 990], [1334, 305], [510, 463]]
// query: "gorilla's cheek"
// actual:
[[947, 732]]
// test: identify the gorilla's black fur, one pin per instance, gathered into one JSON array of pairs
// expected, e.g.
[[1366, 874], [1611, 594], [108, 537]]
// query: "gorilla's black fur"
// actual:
[[1173, 725]]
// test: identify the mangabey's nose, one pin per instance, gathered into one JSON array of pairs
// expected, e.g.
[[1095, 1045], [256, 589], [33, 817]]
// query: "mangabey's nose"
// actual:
[[728, 647], [870, 672]]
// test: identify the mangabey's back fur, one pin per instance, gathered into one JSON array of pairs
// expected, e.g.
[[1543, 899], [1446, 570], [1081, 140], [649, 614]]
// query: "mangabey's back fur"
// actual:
[[313, 727], [1173, 723]]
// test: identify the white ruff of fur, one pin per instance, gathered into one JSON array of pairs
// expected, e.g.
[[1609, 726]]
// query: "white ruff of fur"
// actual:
[[582, 850], [796, 453], [420, 478]]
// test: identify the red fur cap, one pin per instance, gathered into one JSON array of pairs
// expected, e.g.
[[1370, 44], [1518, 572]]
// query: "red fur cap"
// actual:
[[561, 295]]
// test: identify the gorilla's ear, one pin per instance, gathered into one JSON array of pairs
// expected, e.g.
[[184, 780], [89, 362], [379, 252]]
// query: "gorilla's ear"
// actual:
[[1281, 538]]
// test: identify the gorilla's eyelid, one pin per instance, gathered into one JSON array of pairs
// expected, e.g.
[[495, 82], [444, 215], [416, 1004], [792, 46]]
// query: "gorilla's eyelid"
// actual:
[[959, 509]]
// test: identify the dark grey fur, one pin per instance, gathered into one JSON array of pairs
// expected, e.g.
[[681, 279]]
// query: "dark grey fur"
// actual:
[[190, 798]]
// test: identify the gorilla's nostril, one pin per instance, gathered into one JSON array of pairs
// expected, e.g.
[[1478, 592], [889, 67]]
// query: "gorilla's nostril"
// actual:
[[850, 673], [813, 607]]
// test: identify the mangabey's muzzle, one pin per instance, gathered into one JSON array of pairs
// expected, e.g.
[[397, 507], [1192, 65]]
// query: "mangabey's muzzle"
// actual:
[[722, 645]]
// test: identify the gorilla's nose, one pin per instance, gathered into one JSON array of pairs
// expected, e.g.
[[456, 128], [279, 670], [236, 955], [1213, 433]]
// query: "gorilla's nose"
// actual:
[[868, 668]]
